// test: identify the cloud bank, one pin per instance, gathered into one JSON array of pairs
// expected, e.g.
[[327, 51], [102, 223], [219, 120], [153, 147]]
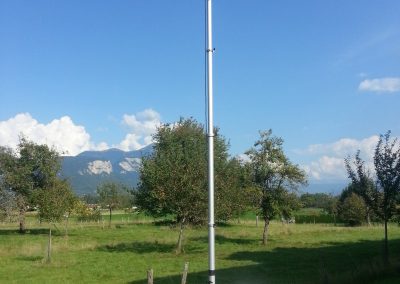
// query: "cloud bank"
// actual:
[[62, 134], [71, 139], [141, 128], [380, 85], [329, 158]]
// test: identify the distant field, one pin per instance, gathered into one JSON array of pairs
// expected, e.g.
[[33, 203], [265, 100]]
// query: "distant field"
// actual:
[[306, 215], [296, 253]]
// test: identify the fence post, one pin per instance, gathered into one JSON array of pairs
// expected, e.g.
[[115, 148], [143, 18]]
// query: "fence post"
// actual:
[[257, 221], [150, 276], [49, 247], [185, 272]]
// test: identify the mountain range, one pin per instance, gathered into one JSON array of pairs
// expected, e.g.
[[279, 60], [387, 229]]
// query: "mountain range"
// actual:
[[88, 169]]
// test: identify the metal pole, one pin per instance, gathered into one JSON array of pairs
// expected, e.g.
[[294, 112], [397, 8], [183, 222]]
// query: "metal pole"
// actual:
[[210, 138]]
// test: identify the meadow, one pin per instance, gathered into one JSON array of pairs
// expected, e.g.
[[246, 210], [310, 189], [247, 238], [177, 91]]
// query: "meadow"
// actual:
[[296, 253]]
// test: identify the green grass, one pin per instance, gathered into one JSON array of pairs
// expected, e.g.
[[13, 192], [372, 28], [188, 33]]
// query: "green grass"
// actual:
[[296, 253]]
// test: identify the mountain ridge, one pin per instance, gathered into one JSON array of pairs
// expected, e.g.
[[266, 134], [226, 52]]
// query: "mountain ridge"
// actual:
[[88, 169]]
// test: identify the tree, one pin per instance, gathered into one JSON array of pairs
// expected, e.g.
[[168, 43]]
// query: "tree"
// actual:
[[387, 167], [333, 208], [54, 203], [362, 184], [233, 195], [316, 200], [274, 175], [31, 167], [173, 180], [111, 195], [353, 210], [381, 195]]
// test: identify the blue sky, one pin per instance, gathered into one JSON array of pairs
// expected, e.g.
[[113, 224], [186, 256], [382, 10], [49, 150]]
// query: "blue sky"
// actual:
[[324, 75]]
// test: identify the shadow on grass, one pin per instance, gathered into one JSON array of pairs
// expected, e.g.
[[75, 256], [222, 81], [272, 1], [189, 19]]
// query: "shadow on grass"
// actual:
[[138, 247], [358, 262], [30, 258], [35, 231], [223, 240]]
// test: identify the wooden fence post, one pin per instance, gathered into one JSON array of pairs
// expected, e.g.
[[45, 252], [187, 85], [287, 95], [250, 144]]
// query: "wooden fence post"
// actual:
[[150, 276], [185, 272], [257, 221], [49, 247]]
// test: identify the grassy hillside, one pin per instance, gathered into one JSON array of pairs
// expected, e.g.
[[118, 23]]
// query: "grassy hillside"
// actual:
[[296, 253]]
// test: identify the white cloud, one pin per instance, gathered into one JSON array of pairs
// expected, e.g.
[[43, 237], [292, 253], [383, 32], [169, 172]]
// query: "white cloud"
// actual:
[[326, 168], [243, 158], [61, 133], [67, 137], [380, 85], [329, 158], [141, 126], [343, 147]]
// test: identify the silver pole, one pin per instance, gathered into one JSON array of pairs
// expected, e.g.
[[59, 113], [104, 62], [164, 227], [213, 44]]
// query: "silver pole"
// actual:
[[210, 138]]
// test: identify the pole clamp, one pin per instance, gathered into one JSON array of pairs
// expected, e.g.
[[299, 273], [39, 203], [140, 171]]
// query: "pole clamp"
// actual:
[[210, 50]]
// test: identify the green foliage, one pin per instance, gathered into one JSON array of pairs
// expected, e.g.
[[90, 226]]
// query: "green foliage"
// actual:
[[112, 195], [317, 200], [353, 210], [234, 193], [85, 213], [382, 195], [315, 216], [32, 168], [8, 206], [363, 185], [174, 177], [55, 202], [387, 167]]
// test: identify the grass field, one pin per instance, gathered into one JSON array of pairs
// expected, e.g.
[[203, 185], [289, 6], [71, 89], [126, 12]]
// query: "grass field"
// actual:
[[296, 253]]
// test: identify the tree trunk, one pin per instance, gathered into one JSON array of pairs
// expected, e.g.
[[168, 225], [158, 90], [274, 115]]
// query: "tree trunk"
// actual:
[[109, 223], [22, 220], [386, 248], [265, 233], [368, 217], [66, 225], [179, 248]]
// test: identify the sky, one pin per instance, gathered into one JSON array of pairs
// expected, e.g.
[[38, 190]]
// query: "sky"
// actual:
[[91, 75]]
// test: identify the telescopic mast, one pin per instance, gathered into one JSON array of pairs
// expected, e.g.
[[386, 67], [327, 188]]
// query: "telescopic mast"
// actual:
[[210, 138]]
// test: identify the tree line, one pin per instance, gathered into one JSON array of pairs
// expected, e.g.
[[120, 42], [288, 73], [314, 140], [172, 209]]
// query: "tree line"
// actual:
[[173, 181], [174, 178]]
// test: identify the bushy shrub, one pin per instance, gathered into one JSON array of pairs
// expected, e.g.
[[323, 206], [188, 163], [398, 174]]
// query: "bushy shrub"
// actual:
[[86, 213], [353, 210]]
